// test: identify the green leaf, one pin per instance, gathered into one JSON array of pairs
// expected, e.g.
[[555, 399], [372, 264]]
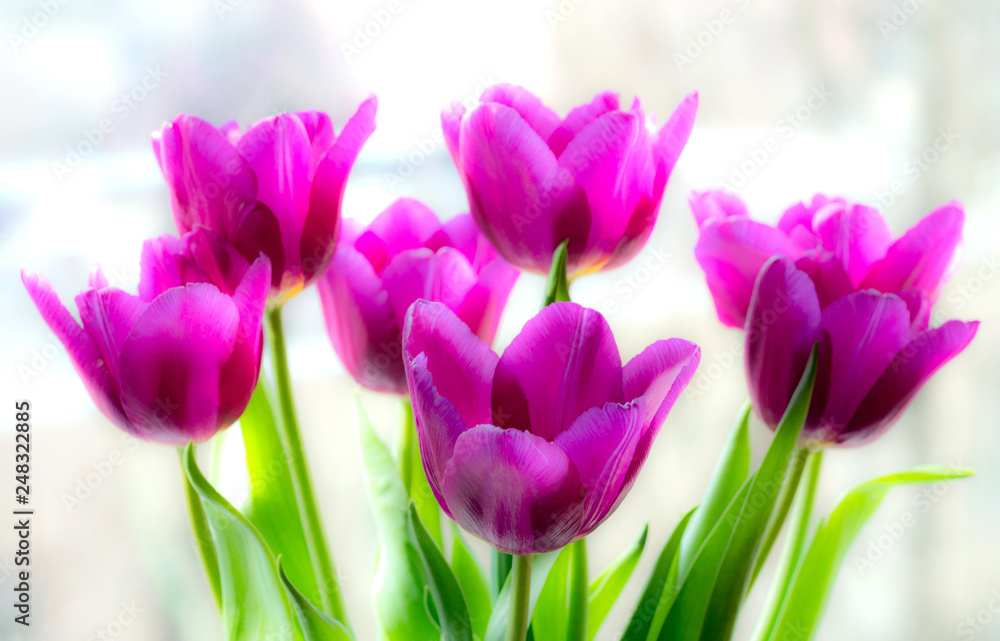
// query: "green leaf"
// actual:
[[557, 288], [254, 605], [605, 589], [501, 564], [813, 580], [730, 473], [733, 576], [497, 628], [269, 507], [551, 617], [315, 625], [400, 577], [660, 589], [453, 612], [473, 581], [415, 478]]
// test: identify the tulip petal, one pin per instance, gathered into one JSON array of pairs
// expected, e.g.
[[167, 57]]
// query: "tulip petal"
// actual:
[[906, 374], [513, 489], [108, 316], [716, 205], [827, 275], [923, 258], [210, 183], [484, 302], [731, 253], [261, 233], [238, 377], [462, 233], [579, 118], [866, 331], [171, 362], [360, 322], [857, 235], [444, 276], [782, 326], [673, 136], [451, 127], [601, 443], [920, 309], [563, 363], [319, 129], [405, 224], [84, 354], [539, 117]]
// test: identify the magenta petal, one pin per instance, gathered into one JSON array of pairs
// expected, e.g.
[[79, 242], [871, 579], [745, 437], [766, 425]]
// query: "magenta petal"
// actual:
[[579, 118], [716, 205], [451, 127], [539, 117], [519, 492], [462, 233], [731, 253], [484, 302], [320, 131], [405, 224], [462, 366], [171, 362], [563, 363], [601, 443], [857, 235], [239, 375], [83, 353], [444, 276], [673, 136], [261, 233], [923, 257], [906, 374], [782, 326], [827, 275], [361, 323], [210, 183], [108, 316], [220, 262], [866, 331]]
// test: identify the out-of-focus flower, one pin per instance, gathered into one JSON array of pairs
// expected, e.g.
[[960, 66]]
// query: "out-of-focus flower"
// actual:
[[843, 246], [276, 189], [404, 255], [180, 361], [872, 357], [534, 449], [594, 178]]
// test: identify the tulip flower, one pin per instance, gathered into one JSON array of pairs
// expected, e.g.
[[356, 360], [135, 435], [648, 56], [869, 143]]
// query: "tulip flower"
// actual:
[[180, 361], [534, 180], [844, 246], [872, 357], [276, 189], [379, 271], [532, 450]]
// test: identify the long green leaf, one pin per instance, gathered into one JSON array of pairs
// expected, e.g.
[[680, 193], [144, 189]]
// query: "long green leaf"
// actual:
[[453, 611], [551, 617], [400, 577], [473, 581], [254, 605], [497, 628], [661, 587], [813, 582], [411, 468], [606, 588], [315, 625], [734, 573], [269, 508]]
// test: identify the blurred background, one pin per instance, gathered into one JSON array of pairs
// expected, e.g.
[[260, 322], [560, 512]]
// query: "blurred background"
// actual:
[[895, 103]]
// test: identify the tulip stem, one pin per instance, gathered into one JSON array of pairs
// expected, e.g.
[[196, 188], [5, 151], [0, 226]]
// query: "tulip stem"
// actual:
[[411, 468], [557, 289], [579, 592], [794, 546], [789, 486], [331, 601], [520, 598], [202, 535]]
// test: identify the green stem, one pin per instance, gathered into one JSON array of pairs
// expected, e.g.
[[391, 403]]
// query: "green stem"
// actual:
[[407, 436], [520, 598], [331, 600], [787, 494], [202, 535], [579, 592], [791, 555], [411, 468], [557, 289]]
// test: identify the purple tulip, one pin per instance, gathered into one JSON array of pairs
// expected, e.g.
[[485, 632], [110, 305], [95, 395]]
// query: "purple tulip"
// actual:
[[276, 189], [844, 246], [534, 449], [180, 361], [594, 178], [406, 254], [873, 355]]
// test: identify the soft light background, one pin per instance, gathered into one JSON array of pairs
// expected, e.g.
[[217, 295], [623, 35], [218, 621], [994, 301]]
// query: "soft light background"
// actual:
[[852, 95]]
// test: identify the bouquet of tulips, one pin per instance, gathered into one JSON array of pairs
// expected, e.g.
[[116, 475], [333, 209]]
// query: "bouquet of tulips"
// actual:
[[532, 449]]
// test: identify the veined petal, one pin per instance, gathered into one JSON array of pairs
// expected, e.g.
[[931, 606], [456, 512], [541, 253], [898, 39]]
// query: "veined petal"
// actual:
[[513, 489], [443, 276], [827, 274], [674, 134], [579, 118], [856, 234], [539, 117], [563, 363], [716, 205], [484, 302], [405, 224], [108, 315], [238, 377], [319, 128]]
